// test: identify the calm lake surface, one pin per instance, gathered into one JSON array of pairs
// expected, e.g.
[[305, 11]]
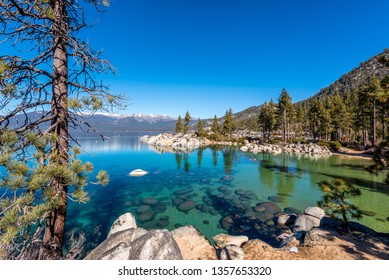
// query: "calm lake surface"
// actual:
[[205, 186]]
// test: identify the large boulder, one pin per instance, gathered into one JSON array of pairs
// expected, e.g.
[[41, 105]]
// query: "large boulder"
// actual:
[[256, 249], [232, 252], [124, 237], [222, 240], [305, 223], [193, 245], [317, 236], [286, 219], [118, 253], [125, 221], [315, 212], [155, 245]]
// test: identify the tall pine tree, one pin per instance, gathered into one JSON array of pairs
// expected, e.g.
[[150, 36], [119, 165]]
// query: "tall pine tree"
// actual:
[[284, 111], [179, 125], [52, 74], [187, 120]]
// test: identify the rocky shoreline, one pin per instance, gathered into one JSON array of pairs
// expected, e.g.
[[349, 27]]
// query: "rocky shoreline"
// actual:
[[188, 142], [312, 149], [310, 235]]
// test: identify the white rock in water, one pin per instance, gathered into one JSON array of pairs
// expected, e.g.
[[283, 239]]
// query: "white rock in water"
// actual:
[[138, 172]]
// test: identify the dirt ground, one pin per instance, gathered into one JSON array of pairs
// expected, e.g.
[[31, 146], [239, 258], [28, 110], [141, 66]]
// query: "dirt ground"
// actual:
[[327, 245]]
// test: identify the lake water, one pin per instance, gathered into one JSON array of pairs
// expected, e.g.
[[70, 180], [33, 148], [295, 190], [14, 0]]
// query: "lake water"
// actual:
[[220, 181]]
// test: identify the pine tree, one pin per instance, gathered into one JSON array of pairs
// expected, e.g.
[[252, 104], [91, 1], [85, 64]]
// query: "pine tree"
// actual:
[[319, 119], [300, 116], [364, 114], [377, 95], [215, 125], [336, 200], [340, 118], [179, 126], [200, 128], [284, 108], [187, 120], [228, 123], [267, 119], [50, 30]]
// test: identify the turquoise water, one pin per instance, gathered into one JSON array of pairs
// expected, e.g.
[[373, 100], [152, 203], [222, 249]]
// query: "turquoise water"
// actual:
[[215, 189]]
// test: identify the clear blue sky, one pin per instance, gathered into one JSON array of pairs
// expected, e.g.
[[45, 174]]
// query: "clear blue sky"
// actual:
[[206, 56]]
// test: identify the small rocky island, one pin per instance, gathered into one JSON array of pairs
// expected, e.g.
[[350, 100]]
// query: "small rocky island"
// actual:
[[190, 142], [311, 235]]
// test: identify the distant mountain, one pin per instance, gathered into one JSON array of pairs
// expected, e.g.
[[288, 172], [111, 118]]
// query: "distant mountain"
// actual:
[[111, 123], [358, 76], [105, 122], [347, 83]]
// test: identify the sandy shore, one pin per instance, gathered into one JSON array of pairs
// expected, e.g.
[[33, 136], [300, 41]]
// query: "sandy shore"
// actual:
[[366, 155]]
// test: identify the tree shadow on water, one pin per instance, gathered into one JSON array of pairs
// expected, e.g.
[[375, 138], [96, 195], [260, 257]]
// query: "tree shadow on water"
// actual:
[[372, 186]]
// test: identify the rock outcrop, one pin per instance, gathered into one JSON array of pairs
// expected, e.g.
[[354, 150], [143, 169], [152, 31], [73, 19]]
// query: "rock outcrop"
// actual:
[[155, 245], [189, 142], [179, 142], [193, 245], [223, 240], [311, 149], [125, 221], [126, 241], [311, 236]]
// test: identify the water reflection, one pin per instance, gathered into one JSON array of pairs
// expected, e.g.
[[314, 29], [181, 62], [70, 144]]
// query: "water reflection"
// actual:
[[112, 144]]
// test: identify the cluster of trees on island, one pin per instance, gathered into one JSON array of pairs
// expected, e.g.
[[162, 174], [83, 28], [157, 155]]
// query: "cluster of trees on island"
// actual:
[[55, 73]]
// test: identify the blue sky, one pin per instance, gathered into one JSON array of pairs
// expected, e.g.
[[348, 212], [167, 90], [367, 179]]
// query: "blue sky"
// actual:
[[206, 56]]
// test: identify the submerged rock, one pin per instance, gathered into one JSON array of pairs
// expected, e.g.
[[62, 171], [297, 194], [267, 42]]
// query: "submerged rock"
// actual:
[[259, 209], [227, 178], [291, 210], [150, 225], [150, 201], [227, 223], [161, 207], [275, 198], [142, 209], [177, 201], [187, 206], [183, 191], [146, 216], [270, 207]]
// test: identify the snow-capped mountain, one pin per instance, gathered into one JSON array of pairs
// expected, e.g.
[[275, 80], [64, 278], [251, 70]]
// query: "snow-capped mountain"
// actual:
[[108, 122], [151, 118]]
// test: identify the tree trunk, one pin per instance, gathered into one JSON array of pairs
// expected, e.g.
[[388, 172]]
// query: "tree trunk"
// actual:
[[283, 127], [55, 223], [374, 124]]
